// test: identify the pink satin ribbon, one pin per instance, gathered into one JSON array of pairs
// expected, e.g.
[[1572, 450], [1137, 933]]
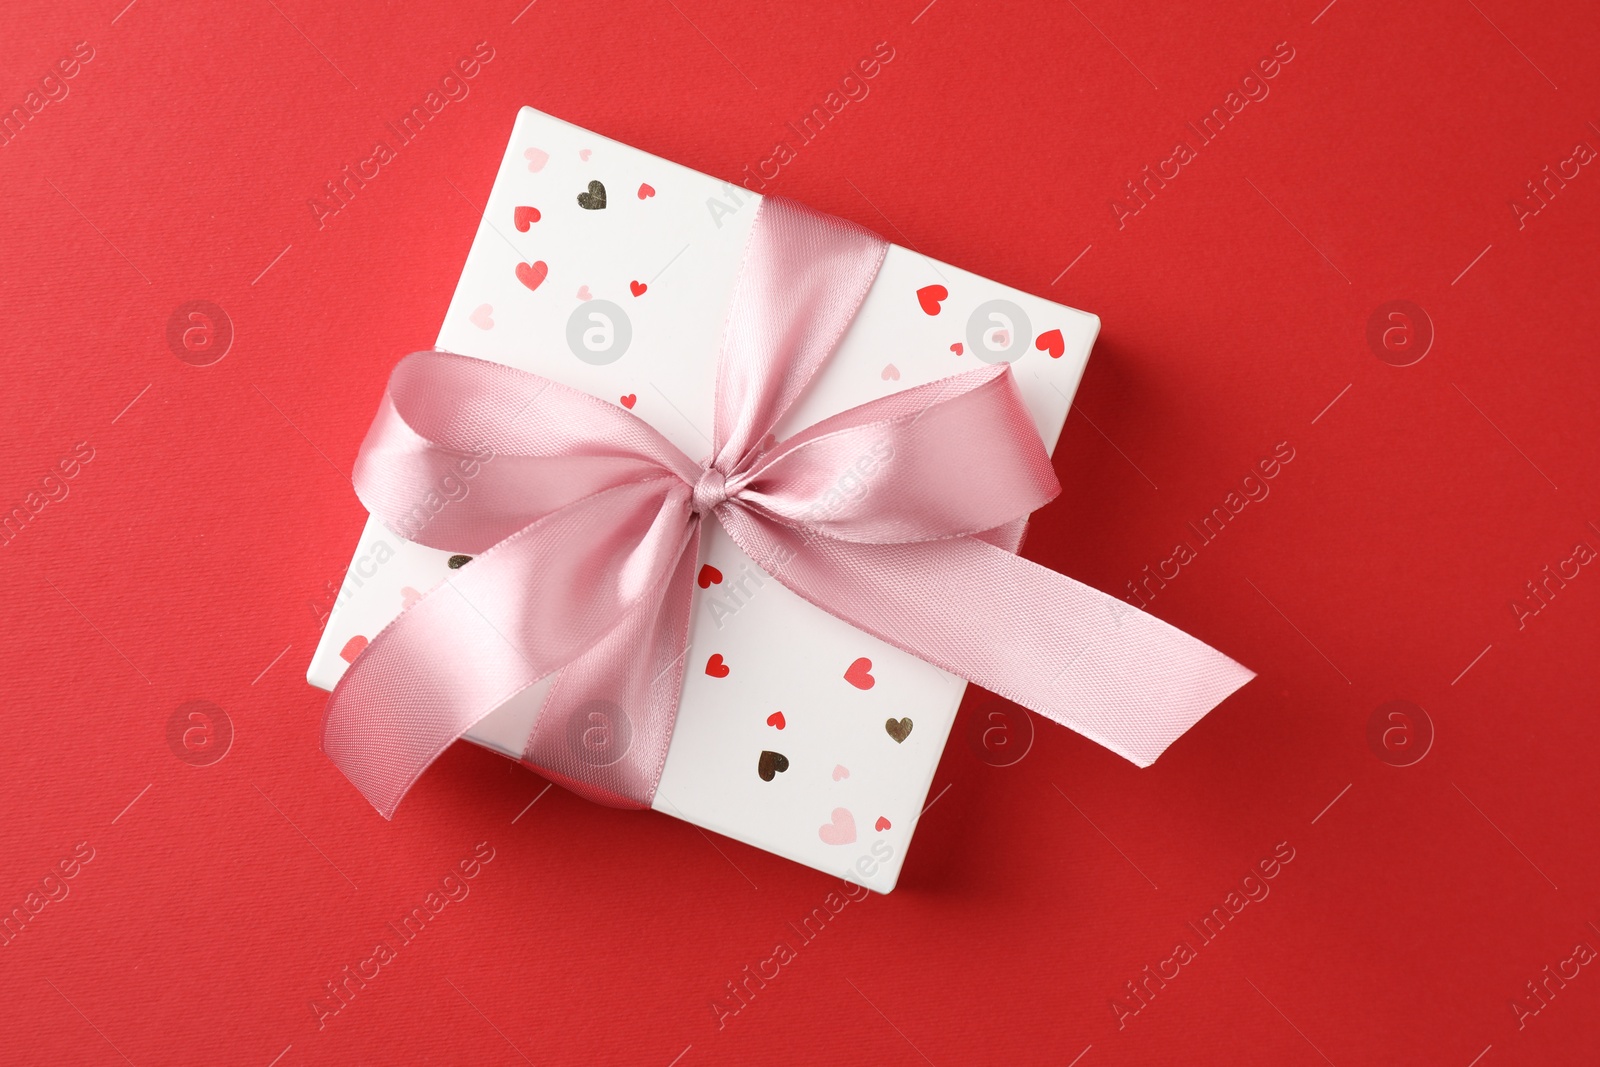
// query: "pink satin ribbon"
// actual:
[[584, 524]]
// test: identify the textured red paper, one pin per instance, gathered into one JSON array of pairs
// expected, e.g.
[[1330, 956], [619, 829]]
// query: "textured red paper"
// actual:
[[189, 556]]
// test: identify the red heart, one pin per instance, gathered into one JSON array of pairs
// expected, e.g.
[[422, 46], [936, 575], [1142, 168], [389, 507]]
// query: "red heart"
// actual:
[[638, 288], [859, 674], [929, 296], [709, 576], [882, 824], [352, 648], [524, 217], [1051, 342], [630, 400], [646, 191], [532, 274], [957, 348], [776, 720], [715, 667]]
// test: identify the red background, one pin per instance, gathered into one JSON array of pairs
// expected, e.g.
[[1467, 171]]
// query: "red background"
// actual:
[[191, 551]]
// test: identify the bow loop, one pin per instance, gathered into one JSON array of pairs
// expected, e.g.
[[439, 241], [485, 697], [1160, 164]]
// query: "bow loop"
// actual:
[[952, 458], [464, 453]]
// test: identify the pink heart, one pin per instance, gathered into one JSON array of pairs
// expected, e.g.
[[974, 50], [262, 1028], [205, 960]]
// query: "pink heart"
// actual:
[[583, 293], [841, 831], [1001, 338], [646, 190], [841, 771], [583, 154], [353, 647], [537, 158], [891, 373], [481, 317]]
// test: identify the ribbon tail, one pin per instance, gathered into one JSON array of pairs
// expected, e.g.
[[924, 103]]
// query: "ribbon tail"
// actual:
[[488, 632], [604, 728], [1089, 661], [426, 679]]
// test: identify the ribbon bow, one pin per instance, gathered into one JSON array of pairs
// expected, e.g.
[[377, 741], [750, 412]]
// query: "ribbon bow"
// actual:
[[585, 524]]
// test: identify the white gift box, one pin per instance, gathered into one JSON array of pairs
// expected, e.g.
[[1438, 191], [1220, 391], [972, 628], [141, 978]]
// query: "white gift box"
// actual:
[[609, 270]]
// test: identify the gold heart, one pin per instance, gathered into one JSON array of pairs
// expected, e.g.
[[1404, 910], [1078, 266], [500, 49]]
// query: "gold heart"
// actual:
[[899, 729], [771, 764]]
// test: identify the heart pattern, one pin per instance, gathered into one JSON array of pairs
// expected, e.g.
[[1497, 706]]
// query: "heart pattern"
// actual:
[[930, 297], [776, 720], [629, 400], [958, 348], [455, 563], [841, 830], [408, 597], [594, 199], [352, 648], [646, 191], [840, 771], [638, 288], [899, 729], [523, 217], [533, 274], [859, 674], [715, 667], [771, 764], [1050, 341], [584, 294], [882, 824], [537, 158], [482, 317], [585, 153], [891, 373], [709, 576]]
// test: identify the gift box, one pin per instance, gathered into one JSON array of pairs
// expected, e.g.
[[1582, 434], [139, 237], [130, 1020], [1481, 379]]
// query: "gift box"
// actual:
[[609, 270]]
